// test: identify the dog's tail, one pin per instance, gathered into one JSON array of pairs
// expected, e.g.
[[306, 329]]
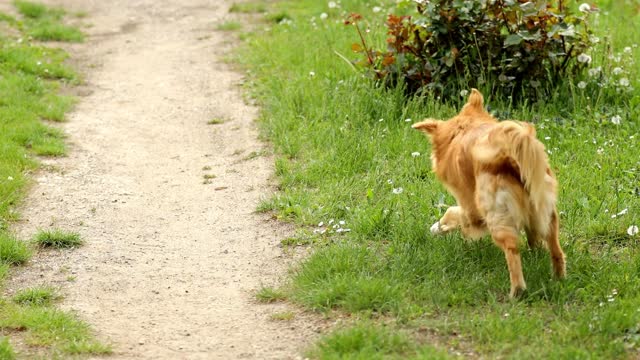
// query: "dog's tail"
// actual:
[[516, 141]]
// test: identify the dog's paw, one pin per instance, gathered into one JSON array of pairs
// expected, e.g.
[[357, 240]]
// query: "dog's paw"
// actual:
[[517, 292], [435, 228]]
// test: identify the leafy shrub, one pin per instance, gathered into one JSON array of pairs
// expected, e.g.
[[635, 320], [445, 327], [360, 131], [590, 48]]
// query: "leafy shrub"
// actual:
[[511, 47]]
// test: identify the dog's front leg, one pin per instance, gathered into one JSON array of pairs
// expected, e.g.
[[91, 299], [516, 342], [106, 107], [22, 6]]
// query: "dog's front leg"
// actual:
[[451, 220]]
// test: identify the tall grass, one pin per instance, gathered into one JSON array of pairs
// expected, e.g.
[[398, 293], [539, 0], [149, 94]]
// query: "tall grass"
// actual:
[[346, 153]]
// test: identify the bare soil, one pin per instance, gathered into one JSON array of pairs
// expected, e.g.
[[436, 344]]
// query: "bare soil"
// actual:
[[172, 261]]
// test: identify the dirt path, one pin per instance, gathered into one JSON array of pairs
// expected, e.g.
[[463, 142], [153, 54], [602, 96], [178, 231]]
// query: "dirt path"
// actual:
[[170, 263]]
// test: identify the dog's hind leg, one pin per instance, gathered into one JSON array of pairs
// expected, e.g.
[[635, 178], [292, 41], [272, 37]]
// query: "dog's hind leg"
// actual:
[[507, 239], [535, 239], [557, 256]]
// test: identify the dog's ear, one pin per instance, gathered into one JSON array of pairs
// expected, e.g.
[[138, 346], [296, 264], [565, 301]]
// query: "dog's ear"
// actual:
[[428, 126], [475, 99], [530, 128], [475, 102]]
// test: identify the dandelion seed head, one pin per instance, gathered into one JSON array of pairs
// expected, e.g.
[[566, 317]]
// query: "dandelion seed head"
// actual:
[[584, 58], [585, 8], [616, 119], [582, 84], [415, 154], [398, 190], [632, 230]]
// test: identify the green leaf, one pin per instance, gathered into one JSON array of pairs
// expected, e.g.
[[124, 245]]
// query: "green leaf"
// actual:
[[527, 35], [513, 39], [570, 31], [529, 8]]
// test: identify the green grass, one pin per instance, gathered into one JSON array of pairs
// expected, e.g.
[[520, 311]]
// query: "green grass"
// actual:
[[229, 26], [269, 295], [6, 351], [58, 239], [248, 7], [13, 251], [216, 121], [34, 10], [39, 296], [31, 80], [344, 153], [283, 316], [51, 30], [48, 327], [45, 23], [367, 340]]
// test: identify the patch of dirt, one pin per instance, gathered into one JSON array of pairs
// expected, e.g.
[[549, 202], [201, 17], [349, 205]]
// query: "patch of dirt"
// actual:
[[171, 264]]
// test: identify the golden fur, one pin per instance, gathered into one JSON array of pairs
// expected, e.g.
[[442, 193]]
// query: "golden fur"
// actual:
[[500, 176]]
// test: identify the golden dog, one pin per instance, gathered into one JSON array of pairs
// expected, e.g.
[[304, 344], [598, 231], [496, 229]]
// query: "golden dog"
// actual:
[[500, 176]]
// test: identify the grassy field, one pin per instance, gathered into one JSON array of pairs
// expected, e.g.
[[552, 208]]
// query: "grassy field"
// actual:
[[357, 180], [31, 76]]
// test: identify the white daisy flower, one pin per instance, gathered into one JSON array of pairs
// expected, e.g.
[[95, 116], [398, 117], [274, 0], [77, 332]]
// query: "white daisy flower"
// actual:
[[632, 230], [398, 190], [584, 7], [415, 154]]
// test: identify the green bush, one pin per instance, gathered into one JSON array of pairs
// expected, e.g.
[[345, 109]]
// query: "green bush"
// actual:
[[518, 48]]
